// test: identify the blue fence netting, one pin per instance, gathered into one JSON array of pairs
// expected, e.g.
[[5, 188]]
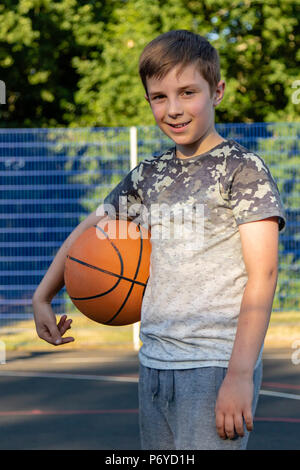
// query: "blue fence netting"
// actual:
[[53, 178]]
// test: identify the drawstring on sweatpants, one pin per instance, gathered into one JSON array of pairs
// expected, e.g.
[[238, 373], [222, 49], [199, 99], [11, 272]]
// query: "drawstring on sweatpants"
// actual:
[[154, 382], [169, 386]]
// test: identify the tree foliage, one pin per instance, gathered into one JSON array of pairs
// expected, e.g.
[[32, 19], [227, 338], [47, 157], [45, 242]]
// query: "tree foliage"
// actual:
[[75, 63]]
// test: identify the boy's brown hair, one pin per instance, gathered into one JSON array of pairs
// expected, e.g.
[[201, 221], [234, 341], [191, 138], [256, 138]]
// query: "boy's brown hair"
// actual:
[[179, 48]]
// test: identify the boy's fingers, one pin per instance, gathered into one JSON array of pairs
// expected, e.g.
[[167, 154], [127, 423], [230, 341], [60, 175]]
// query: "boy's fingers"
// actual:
[[229, 426], [239, 425], [66, 326], [63, 326], [248, 420], [46, 336], [220, 425], [61, 321], [69, 339], [55, 334]]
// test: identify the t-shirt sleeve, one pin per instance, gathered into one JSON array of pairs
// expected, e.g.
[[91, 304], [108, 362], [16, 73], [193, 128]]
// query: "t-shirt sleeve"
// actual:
[[254, 194], [126, 198]]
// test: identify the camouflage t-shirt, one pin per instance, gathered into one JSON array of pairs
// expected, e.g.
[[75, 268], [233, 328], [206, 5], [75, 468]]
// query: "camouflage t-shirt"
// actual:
[[197, 272]]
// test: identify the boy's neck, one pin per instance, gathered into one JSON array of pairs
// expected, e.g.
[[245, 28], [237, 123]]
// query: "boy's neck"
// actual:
[[208, 143]]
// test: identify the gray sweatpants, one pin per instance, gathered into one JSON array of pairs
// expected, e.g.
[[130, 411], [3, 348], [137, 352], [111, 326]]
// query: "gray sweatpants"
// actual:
[[176, 409]]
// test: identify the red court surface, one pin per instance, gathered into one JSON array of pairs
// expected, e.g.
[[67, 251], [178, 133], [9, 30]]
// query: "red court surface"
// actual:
[[88, 400]]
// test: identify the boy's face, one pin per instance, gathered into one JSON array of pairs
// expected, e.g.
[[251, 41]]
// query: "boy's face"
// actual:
[[184, 100]]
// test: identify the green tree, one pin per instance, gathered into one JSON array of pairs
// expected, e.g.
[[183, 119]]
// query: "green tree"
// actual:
[[257, 44], [256, 41], [75, 63], [39, 40]]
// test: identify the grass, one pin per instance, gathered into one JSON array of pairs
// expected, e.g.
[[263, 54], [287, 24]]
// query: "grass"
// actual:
[[284, 329], [87, 334]]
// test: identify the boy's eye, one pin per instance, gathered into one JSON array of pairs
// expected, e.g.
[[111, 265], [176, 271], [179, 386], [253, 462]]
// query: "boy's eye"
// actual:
[[161, 97]]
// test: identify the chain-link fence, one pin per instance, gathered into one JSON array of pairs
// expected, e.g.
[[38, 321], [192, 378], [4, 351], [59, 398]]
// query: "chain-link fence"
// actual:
[[53, 178]]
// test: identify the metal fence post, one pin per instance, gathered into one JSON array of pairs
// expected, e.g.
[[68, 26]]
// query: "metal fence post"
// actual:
[[2, 92], [133, 164], [2, 352]]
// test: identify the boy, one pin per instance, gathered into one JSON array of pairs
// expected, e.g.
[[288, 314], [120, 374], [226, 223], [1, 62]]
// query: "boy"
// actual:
[[208, 299]]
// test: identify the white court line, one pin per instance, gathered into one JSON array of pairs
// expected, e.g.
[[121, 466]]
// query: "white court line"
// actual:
[[291, 396], [103, 378], [99, 360], [78, 360], [111, 378]]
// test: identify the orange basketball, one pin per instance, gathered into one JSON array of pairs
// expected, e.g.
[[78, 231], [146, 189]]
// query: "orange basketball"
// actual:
[[107, 270]]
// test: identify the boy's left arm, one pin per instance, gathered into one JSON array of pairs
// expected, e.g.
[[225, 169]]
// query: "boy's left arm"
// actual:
[[260, 251]]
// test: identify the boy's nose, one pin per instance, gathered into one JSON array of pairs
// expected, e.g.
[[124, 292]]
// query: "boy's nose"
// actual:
[[175, 109]]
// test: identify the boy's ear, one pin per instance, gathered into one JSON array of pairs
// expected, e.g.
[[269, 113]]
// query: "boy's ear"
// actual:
[[219, 93], [146, 97]]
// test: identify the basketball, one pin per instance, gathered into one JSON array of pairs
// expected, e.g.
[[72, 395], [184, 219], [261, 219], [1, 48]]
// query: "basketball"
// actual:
[[106, 271]]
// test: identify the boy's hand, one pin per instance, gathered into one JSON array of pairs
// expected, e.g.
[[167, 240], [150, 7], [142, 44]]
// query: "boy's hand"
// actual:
[[46, 327], [233, 405]]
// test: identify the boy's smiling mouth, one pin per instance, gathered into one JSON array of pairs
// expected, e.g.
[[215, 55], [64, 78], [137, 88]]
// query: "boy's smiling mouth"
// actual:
[[178, 126]]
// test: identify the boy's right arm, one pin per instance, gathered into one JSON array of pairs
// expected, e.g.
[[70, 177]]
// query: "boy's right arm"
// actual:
[[51, 284]]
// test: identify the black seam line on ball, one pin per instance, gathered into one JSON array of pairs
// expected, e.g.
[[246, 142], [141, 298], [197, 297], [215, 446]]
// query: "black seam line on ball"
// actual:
[[114, 246], [99, 295], [104, 271], [133, 281], [94, 267]]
